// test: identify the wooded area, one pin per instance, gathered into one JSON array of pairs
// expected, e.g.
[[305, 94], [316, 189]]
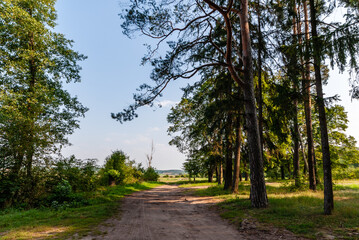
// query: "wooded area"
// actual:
[[257, 106], [255, 109]]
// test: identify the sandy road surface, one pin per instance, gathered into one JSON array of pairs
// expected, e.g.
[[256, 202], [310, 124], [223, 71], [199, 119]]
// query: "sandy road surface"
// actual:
[[166, 213]]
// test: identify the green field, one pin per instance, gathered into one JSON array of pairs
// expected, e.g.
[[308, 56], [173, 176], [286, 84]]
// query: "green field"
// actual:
[[50, 223], [300, 211]]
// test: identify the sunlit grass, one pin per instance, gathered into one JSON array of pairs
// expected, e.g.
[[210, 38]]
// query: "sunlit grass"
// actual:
[[181, 180], [49, 224], [197, 184], [172, 179], [300, 211]]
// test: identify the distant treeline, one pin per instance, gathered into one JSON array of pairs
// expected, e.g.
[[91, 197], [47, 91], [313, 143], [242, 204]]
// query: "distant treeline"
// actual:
[[171, 172]]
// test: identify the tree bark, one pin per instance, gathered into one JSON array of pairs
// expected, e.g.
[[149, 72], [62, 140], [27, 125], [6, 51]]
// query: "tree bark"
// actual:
[[229, 153], [245, 171], [220, 173], [306, 167], [210, 174], [296, 173], [260, 94], [328, 184], [258, 189], [237, 161], [294, 71], [308, 104]]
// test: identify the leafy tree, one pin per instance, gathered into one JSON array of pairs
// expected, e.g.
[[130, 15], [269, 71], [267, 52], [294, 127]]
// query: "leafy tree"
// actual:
[[115, 169], [36, 113], [193, 168], [343, 151]]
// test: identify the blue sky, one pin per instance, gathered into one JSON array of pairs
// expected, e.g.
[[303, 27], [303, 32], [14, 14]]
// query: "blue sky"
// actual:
[[110, 76]]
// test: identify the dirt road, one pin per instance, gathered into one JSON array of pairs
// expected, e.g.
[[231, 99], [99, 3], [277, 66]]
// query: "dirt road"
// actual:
[[167, 213]]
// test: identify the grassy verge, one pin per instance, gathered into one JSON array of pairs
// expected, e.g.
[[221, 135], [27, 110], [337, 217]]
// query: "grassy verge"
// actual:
[[196, 184], [62, 223], [300, 211]]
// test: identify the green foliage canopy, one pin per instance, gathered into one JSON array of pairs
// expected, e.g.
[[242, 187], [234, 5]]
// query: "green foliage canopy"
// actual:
[[36, 112]]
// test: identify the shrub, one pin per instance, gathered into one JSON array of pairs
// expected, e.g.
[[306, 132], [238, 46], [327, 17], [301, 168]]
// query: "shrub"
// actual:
[[81, 174], [62, 191], [118, 169], [151, 175], [63, 197]]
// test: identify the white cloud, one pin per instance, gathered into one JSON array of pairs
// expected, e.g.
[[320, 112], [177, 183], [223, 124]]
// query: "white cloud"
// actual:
[[167, 103]]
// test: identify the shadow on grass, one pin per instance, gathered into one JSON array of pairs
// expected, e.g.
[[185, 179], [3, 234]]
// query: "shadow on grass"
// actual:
[[300, 211]]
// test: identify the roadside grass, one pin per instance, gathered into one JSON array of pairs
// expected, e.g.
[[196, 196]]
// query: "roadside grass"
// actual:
[[196, 184], [49, 223], [300, 211]]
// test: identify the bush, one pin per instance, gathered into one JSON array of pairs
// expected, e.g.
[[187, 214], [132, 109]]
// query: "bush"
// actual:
[[151, 175], [81, 174], [62, 191], [119, 170], [63, 197]]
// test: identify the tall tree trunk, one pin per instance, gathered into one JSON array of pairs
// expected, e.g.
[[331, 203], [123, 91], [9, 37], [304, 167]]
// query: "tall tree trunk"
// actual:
[[308, 104], [317, 179], [304, 79], [210, 173], [260, 91], [306, 167], [258, 188], [220, 173], [296, 172], [229, 153], [328, 184], [237, 161], [245, 171], [294, 71]]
